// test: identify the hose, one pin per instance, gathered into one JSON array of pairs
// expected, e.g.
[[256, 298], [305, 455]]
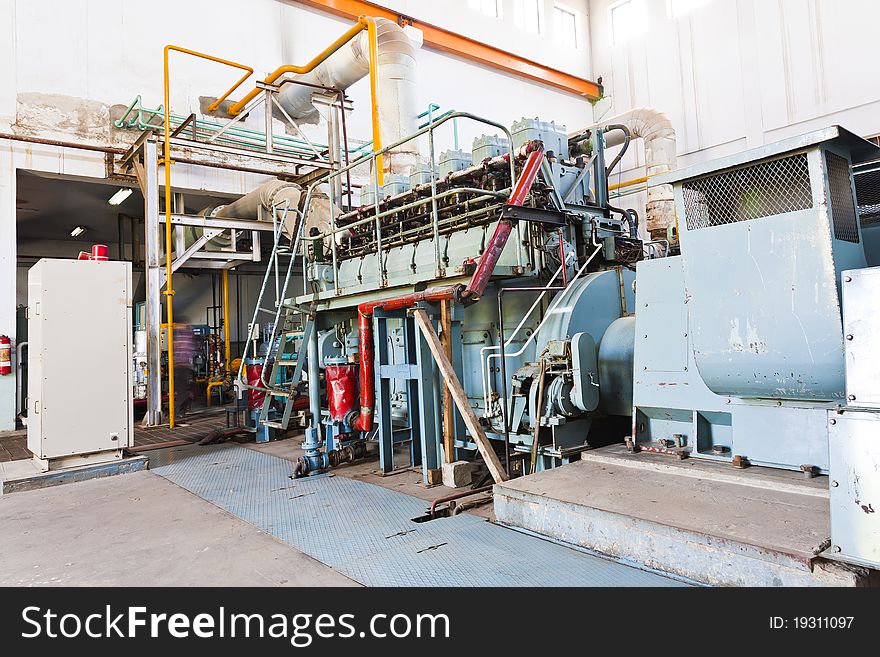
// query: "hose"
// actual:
[[627, 138]]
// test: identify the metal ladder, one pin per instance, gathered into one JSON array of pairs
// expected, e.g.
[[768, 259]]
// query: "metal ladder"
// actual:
[[287, 355], [283, 355]]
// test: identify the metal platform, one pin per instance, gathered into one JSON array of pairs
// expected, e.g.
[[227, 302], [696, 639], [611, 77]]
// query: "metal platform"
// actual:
[[25, 474], [704, 521], [367, 532]]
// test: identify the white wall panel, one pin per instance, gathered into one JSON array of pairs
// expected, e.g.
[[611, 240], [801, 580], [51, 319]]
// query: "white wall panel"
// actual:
[[736, 74]]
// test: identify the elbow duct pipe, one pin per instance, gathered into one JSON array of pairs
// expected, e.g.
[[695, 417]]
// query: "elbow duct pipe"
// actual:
[[656, 131], [468, 294], [397, 84]]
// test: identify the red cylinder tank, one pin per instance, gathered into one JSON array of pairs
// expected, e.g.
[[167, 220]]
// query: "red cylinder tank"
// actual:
[[255, 397], [341, 390]]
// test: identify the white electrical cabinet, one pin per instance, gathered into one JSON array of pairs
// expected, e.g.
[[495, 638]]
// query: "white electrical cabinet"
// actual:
[[79, 361]]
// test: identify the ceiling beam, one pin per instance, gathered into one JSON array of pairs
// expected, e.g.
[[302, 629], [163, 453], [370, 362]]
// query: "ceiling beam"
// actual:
[[438, 38]]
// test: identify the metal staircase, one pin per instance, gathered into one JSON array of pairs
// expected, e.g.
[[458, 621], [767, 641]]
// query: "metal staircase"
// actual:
[[289, 354], [290, 335]]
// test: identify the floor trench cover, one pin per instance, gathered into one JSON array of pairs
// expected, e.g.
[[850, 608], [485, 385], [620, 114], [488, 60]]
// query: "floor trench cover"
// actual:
[[366, 531]]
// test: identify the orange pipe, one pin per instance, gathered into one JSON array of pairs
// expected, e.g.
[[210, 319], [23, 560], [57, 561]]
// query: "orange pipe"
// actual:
[[213, 384], [236, 108], [628, 183], [227, 325], [363, 23]]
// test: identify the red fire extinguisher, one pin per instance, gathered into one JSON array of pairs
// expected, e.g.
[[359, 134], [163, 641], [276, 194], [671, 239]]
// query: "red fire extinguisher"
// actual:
[[5, 355]]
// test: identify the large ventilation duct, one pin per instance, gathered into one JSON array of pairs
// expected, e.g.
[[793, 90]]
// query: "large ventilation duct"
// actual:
[[275, 193], [655, 129], [396, 78], [271, 194]]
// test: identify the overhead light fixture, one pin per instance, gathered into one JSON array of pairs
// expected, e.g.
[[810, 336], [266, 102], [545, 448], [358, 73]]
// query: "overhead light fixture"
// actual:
[[120, 196], [79, 230]]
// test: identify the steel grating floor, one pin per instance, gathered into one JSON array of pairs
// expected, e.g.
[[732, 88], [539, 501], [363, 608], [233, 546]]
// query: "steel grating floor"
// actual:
[[367, 533]]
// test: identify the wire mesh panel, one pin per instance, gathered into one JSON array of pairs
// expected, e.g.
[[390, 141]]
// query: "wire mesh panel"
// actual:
[[868, 195], [843, 206], [761, 190]]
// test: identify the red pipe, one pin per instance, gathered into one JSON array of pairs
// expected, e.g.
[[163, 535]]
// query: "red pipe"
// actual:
[[499, 238], [364, 421], [470, 294]]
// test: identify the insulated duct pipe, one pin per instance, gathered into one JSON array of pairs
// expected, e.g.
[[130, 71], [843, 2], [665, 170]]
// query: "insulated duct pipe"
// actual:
[[268, 195], [655, 129], [271, 194], [396, 82]]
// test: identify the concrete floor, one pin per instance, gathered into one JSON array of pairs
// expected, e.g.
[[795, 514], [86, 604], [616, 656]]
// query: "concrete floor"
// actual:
[[141, 530], [701, 520]]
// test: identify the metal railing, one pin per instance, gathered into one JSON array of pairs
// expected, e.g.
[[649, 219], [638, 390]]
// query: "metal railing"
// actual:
[[485, 364], [139, 117], [280, 291], [373, 159]]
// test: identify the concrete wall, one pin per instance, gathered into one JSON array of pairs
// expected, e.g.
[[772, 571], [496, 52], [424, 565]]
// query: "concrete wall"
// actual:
[[64, 64], [67, 67], [736, 74], [505, 32]]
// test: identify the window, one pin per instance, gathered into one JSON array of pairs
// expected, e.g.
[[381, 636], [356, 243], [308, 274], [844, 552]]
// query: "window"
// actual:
[[529, 15], [676, 8], [567, 22], [627, 19], [489, 7]]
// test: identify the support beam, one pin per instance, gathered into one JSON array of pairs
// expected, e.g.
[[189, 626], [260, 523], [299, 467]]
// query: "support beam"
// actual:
[[459, 396], [448, 410], [150, 166], [222, 223], [206, 237], [438, 38]]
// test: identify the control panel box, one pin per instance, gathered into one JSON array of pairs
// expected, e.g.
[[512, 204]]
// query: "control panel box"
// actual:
[[79, 356]]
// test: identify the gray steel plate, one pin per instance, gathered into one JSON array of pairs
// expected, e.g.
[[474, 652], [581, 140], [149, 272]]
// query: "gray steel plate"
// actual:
[[366, 531]]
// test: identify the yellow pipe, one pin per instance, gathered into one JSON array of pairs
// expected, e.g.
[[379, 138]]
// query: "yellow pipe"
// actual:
[[249, 71], [213, 384], [227, 324], [236, 108], [364, 23], [374, 99], [628, 183], [166, 160]]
